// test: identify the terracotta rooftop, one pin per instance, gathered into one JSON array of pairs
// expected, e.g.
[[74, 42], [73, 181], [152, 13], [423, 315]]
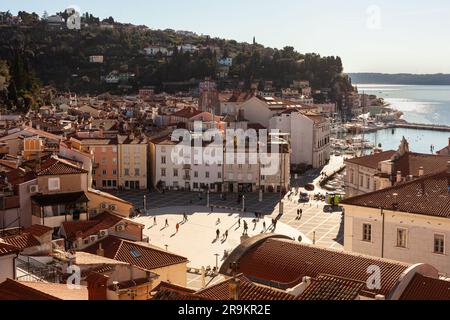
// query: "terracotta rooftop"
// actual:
[[38, 230], [59, 290], [283, 263], [332, 288], [428, 195], [107, 195], [103, 221], [168, 291], [6, 249], [187, 113], [22, 241], [410, 163], [139, 255], [18, 176], [373, 160], [425, 288], [55, 167], [248, 291], [17, 290], [14, 290]]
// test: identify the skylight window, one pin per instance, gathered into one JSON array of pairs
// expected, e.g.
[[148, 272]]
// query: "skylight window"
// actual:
[[135, 253]]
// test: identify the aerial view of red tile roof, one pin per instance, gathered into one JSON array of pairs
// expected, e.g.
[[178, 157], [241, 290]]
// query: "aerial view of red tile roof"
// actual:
[[19, 176], [316, 118], [85, 229], [428, 195], [37, 230], [56, 167], [248, 291], [171, 294], [426, 288], [410, 163], [283, 263], [138, 254], [373, 160], [187, 113], [15, 290], [22, 241], [446, 150], [332, 288], [240, 97], [24, 290], [6, 249]]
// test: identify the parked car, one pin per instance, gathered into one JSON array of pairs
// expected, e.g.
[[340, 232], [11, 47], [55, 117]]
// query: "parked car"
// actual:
[[304, 197]]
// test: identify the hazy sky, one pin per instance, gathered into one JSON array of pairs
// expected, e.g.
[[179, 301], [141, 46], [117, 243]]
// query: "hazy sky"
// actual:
[[370, 36]]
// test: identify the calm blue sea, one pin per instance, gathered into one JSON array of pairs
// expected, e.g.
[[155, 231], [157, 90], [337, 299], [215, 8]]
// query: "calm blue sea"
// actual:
[[420, 104]]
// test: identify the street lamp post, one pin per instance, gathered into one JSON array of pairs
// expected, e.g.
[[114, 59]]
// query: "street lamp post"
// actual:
[[145, 204], [207, 198], [243, 203]]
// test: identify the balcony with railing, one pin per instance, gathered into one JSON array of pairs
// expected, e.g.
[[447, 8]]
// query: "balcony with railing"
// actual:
[[52, 210]]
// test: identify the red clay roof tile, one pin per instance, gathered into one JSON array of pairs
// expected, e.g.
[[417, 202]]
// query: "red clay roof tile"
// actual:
[[139, 255], [425, 288], [284, 263], [428, 195]]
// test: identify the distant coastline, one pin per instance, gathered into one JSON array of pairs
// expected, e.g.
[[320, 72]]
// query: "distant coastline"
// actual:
[[400, 78]]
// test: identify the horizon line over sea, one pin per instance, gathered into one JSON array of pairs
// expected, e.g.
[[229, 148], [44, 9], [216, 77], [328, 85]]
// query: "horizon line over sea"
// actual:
[[427, 104]]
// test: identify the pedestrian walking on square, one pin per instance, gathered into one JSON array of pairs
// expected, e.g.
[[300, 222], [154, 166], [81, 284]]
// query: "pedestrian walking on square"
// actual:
[[217, 234], [226, 234], [177, 227], [301, 214], [298, 213], [239, 223], [167, 223], [264, 226], [245, 228], [154, 221]]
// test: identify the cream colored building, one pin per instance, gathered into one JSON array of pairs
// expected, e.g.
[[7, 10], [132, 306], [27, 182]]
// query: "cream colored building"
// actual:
[[133, 164], [408, 222], [309, 136], [194, 175], [385, 169]]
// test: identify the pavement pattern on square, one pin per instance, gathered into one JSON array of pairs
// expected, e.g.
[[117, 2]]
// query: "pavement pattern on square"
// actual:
[[196, 238]]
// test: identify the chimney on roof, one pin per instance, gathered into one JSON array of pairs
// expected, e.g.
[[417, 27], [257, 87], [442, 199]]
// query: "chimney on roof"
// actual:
[[97, 285], [421, 171], [100, 251], [235, 288], [130, 267], [399, 177]]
